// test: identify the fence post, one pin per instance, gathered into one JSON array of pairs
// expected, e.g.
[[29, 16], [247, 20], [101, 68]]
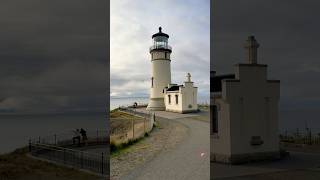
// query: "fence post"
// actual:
[[97, 135], [64, 156], [81, 159], [30, 146], [55, 139], [132, 128], [286, 134], [102, 160], [39, 140], [144, 125], [310, 137]]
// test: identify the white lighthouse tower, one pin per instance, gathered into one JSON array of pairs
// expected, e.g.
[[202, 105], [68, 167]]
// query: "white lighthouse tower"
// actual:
[[161, 71]]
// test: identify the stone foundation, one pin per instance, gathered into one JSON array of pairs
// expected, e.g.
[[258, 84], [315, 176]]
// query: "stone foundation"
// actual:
[[156, 104], [244, 158]]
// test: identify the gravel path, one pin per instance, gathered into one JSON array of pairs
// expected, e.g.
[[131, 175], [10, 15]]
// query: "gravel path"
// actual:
[[299, 174], [297, 166], [163, 138], [188, 160]]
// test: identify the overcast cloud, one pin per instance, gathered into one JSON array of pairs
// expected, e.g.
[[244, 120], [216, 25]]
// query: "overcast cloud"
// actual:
[[53, 56], [132, 25], [288, 33]]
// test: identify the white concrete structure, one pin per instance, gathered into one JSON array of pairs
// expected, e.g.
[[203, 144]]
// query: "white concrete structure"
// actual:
[[244, 112], [181, 98], [163, 94]]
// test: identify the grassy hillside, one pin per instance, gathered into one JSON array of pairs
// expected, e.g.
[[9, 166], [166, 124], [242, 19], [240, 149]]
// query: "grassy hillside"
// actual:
[[17, 165]]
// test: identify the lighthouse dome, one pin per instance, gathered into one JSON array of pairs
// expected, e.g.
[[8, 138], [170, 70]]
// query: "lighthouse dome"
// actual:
[[160, 33]]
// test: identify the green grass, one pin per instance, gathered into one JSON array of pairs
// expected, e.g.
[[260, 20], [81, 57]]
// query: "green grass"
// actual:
[[203, 106], [120, 114], [117, 149]]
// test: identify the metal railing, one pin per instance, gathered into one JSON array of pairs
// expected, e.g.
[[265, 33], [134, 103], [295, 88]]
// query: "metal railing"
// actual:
[[300, 137], [160, 46], [97, 163], [64, 150], [66, 139]]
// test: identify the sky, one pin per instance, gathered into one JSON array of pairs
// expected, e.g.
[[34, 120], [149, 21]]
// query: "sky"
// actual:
[[288, 34], [132, 23], [53, 56]]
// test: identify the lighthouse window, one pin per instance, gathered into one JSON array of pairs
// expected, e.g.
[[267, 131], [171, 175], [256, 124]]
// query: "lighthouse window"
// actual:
[[152, 82], [177, 101], [169, 99]]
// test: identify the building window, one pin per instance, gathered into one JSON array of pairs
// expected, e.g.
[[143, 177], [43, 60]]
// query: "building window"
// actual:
[[214, 116], [152, 82], [177, 100], [169, 99], [165, 55], [193, 97], [151, 55]]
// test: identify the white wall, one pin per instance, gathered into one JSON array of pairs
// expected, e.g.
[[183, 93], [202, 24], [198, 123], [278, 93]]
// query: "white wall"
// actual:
[[162, 77], [189, 93], [248, 107], [173, 106], [187, 99]]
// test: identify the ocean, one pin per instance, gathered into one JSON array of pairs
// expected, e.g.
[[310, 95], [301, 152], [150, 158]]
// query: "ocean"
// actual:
[[289, 120], [15, 130], [115, 102]]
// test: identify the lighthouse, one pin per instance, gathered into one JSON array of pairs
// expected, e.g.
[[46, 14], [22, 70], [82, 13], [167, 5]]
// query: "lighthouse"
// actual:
[[161, 71]]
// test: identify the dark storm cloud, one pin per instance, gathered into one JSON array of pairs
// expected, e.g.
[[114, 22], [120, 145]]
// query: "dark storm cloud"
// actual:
[[288, 33], [53, 56]]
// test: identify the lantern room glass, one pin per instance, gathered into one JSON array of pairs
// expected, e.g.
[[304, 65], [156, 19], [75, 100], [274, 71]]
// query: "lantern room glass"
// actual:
[[160, 42]]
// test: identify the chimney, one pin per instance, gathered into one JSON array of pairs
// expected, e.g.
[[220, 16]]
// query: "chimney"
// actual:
[[251, 47]]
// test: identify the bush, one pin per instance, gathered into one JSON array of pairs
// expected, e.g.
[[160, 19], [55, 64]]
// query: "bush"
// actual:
[[117, 147]]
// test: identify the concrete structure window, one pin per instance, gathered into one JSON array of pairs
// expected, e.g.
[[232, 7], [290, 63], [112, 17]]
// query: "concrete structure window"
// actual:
[[214, 115], [193, 97], [169, 99], [177, 100]]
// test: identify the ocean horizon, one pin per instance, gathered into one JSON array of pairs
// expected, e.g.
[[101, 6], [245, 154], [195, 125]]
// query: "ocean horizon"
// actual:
[[116, 102], [289, 120], [16, 130]]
